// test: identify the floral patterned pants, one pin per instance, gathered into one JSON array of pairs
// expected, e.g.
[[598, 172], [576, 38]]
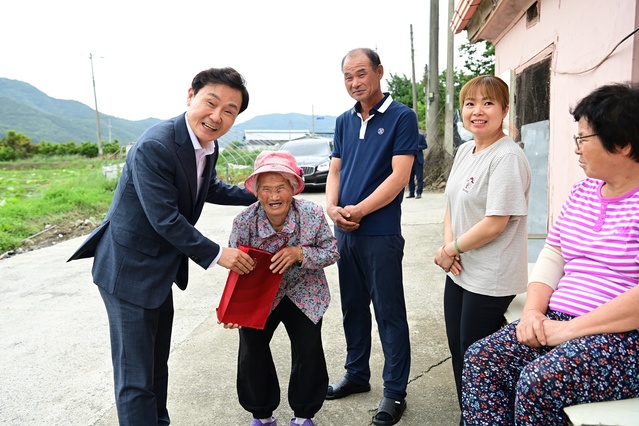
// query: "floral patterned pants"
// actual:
[[508, 383]]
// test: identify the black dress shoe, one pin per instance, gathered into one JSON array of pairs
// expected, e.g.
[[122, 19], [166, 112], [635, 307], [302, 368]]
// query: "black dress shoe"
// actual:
[[345, 387], [410, 196]]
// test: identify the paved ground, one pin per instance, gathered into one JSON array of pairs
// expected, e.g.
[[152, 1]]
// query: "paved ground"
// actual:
[[54, 348]]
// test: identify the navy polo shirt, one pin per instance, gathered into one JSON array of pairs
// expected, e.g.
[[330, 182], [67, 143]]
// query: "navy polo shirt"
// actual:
[[366, 149]]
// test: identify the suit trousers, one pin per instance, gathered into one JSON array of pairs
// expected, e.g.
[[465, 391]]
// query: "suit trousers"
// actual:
[[140, 345], [370, 269], [416, 182], [258, 388], [469, 317]]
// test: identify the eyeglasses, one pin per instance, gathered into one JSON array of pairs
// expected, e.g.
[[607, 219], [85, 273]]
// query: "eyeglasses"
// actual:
[[580, 139]]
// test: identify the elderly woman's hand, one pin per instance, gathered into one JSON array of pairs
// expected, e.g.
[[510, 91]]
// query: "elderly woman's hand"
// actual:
[[230, 326], [558, 332], [285, 258], [530, 330]]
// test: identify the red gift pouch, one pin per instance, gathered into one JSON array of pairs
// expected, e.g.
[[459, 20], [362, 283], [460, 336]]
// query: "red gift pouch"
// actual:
[[247, 299]]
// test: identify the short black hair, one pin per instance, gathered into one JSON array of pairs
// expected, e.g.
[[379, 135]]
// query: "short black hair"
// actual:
[[372, 56], [226, 76], [611, 113]]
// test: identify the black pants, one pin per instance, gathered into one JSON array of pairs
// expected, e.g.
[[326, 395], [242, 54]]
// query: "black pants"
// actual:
[[469, 317], [258, 388], [370, 270], [416, 174]]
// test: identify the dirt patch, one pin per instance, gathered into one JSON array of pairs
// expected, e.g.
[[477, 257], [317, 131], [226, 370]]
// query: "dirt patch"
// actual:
[[52, 235]]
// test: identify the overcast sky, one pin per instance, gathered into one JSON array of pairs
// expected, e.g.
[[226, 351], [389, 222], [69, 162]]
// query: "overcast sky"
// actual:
[[145, 53]]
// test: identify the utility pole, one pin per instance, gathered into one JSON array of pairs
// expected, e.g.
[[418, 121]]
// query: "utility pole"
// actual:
[[97, 114], [450, 84], [433, 78], [412, 59], [425, 83]]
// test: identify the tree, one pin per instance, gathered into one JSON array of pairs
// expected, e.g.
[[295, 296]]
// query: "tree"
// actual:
[[18, 146], [401, 88], [479, 63], [479, 59], [14, 146]]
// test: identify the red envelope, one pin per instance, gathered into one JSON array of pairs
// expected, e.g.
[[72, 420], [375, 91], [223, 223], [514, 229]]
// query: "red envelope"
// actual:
[[247, 299]]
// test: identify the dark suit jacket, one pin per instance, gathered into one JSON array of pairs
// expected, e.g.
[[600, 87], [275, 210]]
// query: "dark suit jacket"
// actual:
[[421, 146], [147, 237]]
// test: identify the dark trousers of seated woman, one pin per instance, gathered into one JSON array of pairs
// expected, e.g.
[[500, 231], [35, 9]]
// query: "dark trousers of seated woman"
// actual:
[[469, 317], [257, 383]]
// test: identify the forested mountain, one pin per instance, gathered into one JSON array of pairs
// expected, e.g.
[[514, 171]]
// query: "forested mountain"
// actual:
[[27, 110]]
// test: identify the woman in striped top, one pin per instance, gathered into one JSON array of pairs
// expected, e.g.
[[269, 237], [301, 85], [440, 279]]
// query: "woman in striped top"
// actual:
[[577, 340]]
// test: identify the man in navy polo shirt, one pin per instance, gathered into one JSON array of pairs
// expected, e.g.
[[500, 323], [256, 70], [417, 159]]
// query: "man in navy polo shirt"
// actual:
[[374, 148]]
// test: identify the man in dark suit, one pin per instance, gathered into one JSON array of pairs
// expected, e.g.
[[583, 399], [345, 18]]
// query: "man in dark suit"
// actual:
[[148, 236], [417, 172]]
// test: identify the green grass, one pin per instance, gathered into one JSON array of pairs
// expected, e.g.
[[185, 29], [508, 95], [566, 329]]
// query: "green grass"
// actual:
[[41, 192]]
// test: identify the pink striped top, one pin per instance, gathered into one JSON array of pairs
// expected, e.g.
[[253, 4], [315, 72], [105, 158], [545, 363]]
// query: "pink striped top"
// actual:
[[599, 239]]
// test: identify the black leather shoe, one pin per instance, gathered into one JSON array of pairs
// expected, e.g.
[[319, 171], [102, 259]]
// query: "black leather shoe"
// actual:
[[345, 387], [410, 196]]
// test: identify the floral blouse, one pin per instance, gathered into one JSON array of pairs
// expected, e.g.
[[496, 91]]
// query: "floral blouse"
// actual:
[[304, 284]]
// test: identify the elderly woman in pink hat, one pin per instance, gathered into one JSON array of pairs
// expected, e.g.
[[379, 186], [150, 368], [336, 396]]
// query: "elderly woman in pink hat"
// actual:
[[303, 296]]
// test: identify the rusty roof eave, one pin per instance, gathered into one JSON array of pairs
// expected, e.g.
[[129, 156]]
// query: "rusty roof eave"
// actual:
[[491, 20], [463, 14]]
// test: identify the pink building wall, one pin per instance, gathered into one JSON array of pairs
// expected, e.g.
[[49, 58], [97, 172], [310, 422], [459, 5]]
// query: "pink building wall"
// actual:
[[578, 35]]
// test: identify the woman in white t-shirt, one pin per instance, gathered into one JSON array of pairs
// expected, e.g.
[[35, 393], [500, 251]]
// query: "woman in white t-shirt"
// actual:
[[485, 225], [577, 340]]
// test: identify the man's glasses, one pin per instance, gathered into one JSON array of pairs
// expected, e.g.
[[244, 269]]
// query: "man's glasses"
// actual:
[[580, 139]]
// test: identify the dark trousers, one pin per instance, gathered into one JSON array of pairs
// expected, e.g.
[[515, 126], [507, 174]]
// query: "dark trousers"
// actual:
[[258, 388], [370, 269], [416, 174], [140, 345], [469, 317]]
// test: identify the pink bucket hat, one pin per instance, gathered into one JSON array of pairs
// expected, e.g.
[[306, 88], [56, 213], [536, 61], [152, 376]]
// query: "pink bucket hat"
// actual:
[[281, 162]]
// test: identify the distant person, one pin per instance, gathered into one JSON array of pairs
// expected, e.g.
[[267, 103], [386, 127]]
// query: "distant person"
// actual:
[[374, 147], [303, 296], [145, 241], [417, 172], [485, 224], [578, 338]]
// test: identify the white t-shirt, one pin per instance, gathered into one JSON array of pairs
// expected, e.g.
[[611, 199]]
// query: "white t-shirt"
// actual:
[[492, 182]]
